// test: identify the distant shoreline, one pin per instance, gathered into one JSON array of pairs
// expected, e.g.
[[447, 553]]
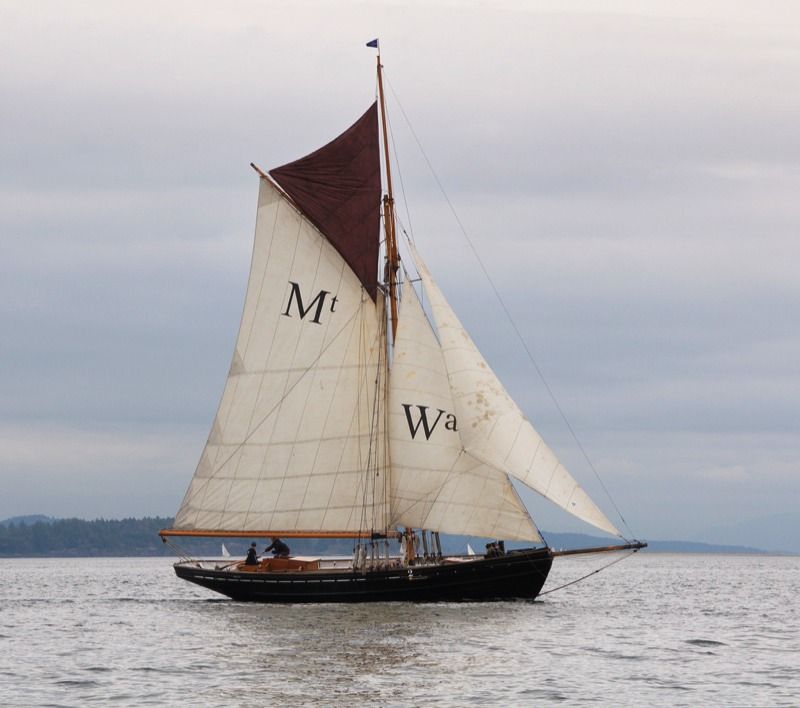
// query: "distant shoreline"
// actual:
[[38, 536]]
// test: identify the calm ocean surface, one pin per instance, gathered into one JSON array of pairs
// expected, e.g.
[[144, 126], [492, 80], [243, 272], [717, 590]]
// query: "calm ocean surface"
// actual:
[[658, 630]]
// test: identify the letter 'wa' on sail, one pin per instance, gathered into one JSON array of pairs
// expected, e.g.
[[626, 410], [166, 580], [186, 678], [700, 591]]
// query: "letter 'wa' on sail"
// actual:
[[435, 482]]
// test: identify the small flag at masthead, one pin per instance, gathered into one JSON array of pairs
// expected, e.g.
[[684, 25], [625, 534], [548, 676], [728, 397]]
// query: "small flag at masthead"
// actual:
[[373, 43]]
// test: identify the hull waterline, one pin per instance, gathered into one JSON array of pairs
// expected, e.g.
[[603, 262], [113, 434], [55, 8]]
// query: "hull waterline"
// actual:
[[517, 575]]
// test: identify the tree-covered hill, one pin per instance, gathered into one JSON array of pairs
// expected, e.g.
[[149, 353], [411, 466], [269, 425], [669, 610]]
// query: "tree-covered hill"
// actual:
[[21, 537], [42, 536], [77, 537]]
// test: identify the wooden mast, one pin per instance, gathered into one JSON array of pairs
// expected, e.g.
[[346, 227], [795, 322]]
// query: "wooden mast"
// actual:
[[392, 258]]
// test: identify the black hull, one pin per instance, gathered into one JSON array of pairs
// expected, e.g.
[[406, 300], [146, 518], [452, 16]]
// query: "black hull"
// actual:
[[518, 575]]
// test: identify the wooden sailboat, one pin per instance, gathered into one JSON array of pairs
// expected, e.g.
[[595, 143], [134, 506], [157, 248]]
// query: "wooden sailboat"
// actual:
[[347, 414]]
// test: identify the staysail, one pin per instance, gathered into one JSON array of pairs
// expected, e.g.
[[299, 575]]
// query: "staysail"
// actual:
[[293, 444], [435, 483], [492, 427]]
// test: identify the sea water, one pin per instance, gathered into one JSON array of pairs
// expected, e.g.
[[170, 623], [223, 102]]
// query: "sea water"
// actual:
[[656, 630]]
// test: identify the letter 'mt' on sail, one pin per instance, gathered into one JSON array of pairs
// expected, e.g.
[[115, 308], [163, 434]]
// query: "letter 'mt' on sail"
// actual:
[[293, 444], [435, 482], [491, 425]]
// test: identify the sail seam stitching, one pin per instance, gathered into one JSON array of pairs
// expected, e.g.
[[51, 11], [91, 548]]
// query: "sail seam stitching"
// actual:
[[330, 404]]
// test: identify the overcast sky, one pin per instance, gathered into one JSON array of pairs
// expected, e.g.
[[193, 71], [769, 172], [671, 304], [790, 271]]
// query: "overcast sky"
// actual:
[[630, 178]]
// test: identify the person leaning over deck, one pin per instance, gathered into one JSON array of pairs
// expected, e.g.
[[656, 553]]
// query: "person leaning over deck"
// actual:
[[252, 555], [279, 548]]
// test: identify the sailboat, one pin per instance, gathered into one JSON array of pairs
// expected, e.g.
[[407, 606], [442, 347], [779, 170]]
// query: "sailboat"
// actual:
[[349, 414]]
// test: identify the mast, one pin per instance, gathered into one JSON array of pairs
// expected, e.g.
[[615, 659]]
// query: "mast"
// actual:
[[392, 258]]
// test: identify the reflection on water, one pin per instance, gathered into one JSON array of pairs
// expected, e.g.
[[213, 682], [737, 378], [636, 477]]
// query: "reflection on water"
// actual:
[[659, 629]]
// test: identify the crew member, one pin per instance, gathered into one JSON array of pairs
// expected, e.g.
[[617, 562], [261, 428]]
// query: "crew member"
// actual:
[[252, 555], [279, 548]]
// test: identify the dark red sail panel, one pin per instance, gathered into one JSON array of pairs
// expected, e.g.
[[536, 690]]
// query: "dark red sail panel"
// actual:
[[338, 188]]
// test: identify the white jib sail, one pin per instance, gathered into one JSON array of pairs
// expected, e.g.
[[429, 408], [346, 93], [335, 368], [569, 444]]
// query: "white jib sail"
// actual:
[[492, 426], [435, 483], [296, 442]]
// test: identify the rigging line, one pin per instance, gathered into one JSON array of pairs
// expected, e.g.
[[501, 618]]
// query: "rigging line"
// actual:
[[288, 373], [250, 334], [373, 462], [366, 490], [379, 507], [369, 482], [507, 312], [387, 459], [400, 176], [247, 437], [359, 424], [328, 413], [588, 575], [374, 432], [182, 554], [383, 427], [431, 503], [419, 294]]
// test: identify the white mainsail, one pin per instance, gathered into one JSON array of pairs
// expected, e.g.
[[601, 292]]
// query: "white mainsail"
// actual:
[[492, 427], [281, 455], [435, 483]]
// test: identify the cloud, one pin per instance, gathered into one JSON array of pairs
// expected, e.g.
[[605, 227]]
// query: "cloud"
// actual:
[[629, 178], [102, 471], [727, 474]]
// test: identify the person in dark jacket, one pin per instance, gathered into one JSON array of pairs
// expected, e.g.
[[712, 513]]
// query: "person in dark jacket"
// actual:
[[252, 555], [279, 548]]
